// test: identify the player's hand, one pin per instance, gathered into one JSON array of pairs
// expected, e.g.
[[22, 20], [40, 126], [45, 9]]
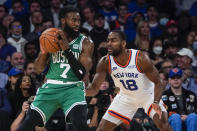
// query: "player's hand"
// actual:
[[62, 40], [157, 109], [42, 51]]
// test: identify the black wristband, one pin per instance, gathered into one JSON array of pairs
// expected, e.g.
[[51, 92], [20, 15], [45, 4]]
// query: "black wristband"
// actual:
[[75, 65], [68, 52]]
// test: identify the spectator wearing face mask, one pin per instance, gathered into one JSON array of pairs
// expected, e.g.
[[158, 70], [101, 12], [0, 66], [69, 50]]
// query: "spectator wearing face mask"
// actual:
[[164, 18], [16, 39], [156, 51]]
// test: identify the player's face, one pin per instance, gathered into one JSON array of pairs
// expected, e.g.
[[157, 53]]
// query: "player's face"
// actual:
[[71, 24], [114, 44]]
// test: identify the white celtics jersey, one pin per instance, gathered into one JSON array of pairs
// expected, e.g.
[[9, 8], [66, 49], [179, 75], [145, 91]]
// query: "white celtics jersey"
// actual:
[[128, 77]]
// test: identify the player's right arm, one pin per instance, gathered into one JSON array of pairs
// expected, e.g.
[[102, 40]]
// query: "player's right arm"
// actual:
[[99, 77], [40, 62]]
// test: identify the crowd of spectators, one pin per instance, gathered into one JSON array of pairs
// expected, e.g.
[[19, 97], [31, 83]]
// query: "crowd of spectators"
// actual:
[[166, 30]]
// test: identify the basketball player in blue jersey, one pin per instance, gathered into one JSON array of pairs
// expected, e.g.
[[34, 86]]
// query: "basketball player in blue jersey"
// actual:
[[139, 83], [64, 87]]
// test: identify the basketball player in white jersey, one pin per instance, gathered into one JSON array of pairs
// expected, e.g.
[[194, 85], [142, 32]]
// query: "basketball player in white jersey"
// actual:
[[139, 83]]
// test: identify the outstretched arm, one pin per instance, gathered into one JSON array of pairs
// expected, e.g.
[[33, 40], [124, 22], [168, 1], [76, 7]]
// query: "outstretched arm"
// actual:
[[99, 77]]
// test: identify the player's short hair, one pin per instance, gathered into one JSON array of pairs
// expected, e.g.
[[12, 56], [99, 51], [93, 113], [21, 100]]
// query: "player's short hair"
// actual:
[[121, 34], [64, 11]]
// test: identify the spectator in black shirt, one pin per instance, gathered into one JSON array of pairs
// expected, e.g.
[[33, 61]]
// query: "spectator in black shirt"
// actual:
[[180, 103]]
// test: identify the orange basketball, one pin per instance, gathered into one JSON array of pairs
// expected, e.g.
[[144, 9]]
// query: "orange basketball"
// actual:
[[48, 40]]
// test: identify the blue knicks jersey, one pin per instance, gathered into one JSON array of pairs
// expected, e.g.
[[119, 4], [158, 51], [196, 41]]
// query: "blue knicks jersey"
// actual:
[[128, 77]]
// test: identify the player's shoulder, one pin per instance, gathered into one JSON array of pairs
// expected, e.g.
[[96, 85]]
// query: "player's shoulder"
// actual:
[[105, 58], [104, 63], [86, 40], [142, 56]]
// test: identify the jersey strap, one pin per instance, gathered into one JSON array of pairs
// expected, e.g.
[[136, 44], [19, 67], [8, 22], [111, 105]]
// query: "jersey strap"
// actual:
[[109, 61], [136, 60]]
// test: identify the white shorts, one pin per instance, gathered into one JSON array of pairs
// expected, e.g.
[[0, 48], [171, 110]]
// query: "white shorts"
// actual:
[[123, 108]]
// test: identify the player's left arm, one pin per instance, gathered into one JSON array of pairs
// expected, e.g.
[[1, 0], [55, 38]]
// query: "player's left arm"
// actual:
[[79, 67], [145, 65], [86, 57]]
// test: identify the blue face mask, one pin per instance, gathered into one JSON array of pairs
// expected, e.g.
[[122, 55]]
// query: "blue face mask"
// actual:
[[195, 45], [16, 36], [163, 21]]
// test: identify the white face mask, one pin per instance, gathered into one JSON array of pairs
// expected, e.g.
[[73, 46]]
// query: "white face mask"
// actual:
[[195, 45], [157, 50], [163, 21]]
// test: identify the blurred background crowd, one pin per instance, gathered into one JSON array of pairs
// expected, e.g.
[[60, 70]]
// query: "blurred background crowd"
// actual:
[[166, 30]]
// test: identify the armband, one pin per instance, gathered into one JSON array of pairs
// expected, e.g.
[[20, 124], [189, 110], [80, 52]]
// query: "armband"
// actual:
[[76, 66]]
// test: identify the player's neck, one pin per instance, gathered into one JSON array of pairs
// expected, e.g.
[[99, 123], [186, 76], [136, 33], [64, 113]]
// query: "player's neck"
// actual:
[[123, 58]]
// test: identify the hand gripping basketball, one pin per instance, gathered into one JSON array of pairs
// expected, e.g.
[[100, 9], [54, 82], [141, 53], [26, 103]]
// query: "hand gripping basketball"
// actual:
[[62, 40], [52, 39]]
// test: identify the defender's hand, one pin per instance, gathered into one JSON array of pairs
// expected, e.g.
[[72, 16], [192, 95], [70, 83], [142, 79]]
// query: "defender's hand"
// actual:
[[157, 109]]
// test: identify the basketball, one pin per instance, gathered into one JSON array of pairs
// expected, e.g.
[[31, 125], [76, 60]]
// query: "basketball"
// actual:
[[48, 40]]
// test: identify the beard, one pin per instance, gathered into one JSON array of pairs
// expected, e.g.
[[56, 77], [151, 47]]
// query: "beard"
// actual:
[[117, 52], [70, 32]]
